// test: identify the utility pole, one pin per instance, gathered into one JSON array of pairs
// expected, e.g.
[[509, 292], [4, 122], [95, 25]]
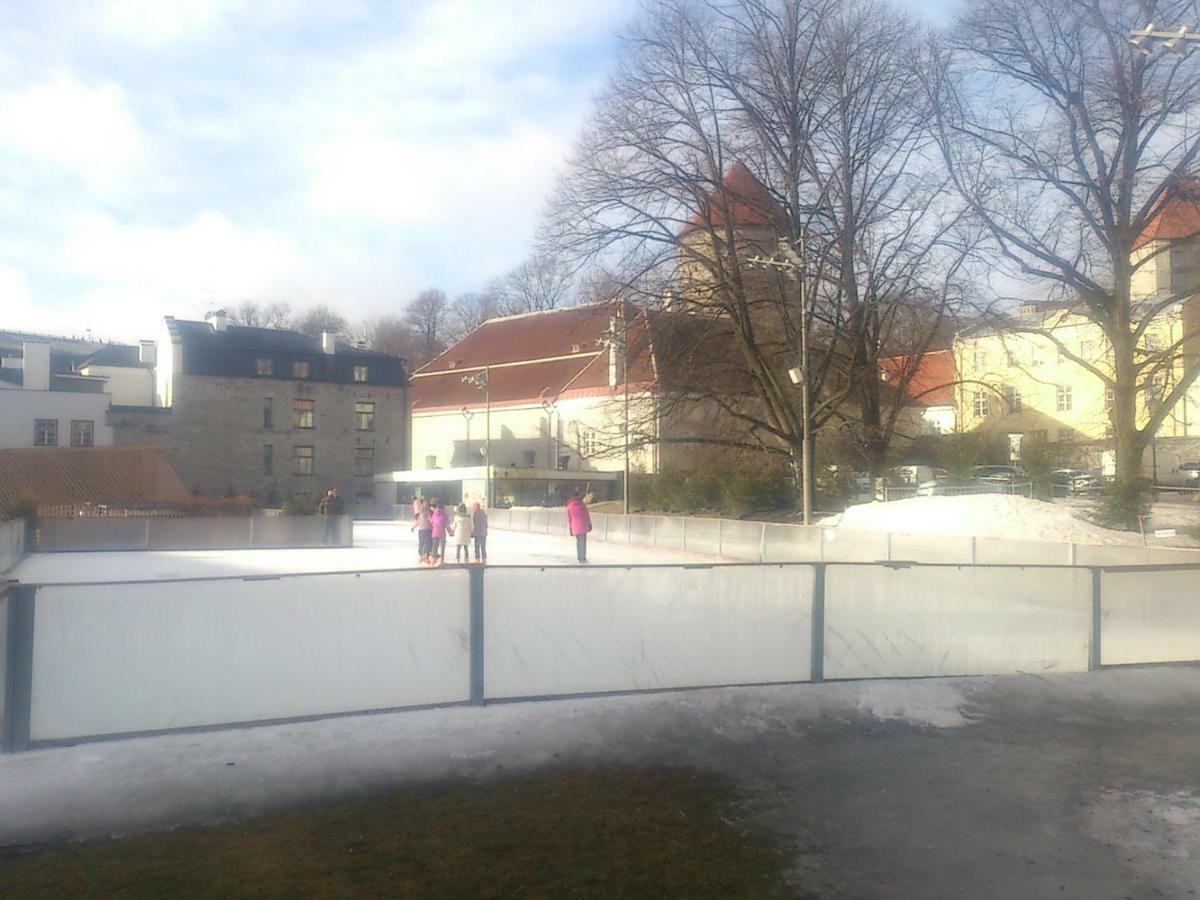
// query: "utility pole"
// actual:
[[467, 414], [792, 262], [483, 380]]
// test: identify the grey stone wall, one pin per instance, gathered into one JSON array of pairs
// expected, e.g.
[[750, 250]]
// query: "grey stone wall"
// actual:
[[214, 435]]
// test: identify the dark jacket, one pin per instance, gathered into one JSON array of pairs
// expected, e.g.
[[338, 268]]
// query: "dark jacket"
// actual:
[[331, 506]]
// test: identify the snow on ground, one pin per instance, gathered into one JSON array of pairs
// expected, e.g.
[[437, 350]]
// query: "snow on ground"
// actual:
[[377, 545], [983, 515]]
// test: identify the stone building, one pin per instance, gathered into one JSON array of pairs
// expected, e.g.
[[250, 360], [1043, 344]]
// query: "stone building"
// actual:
[[271, 413]]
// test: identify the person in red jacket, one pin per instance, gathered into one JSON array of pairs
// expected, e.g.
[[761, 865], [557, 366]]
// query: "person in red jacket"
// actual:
[[579, 523]]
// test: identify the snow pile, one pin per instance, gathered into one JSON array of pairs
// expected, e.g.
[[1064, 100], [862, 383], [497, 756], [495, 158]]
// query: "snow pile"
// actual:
[[983, 515]]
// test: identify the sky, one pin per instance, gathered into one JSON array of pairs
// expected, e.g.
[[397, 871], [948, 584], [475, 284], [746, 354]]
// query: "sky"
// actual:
[[169, 157]]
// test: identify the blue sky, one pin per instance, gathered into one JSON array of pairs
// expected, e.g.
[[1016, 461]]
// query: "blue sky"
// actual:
[[170, 156]]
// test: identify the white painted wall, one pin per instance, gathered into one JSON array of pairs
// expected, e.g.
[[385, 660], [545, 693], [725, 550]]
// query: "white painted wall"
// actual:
[[883, 622], [121, 658], [128, 386], [1150, 617], [442, 434], [19, 408], [593, 630]]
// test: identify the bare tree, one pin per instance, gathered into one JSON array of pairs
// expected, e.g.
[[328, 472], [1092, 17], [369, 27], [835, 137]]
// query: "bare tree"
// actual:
[[262, 315], [426, 316], [469, 311], [1066, 141], [319, 319], [820, 99], [389, 334], [541, 282]]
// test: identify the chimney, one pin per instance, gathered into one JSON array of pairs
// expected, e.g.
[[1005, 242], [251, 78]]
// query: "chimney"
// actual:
[[218, 319], [147, 353], [35, 365], [328, 342]]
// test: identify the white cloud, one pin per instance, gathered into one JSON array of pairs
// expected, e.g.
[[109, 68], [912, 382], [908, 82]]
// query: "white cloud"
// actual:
[[159, 21], [87, 131]]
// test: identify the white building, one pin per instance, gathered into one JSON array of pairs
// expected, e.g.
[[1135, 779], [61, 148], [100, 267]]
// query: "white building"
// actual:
[[43, 408]]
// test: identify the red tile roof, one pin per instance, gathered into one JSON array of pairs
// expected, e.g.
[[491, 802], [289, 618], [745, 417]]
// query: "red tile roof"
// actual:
[[932, 383], [742, 200], [51, 476], [1177, 216], [535, 357]]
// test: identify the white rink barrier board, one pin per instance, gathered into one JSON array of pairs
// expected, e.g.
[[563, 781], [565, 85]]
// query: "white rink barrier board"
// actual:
[[1150, 617], [116, 658], [582, 631], [916, 621]]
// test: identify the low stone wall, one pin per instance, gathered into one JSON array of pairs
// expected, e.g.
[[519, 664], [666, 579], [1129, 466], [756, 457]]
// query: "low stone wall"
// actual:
[[215, 533]]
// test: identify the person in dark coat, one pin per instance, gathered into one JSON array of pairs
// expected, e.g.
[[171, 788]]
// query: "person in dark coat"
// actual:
[[330, 509]]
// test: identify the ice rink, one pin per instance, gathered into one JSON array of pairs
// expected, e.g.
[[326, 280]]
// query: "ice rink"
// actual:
[[377, 545]]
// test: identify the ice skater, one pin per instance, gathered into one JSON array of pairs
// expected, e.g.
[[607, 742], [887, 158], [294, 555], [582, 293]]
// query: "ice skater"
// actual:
[[440, 525], [423, 526], [462, 530], [579, 523], [479, 532]]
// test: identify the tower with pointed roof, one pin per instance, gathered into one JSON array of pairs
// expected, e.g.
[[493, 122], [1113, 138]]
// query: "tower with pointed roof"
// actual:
[[741, 207]]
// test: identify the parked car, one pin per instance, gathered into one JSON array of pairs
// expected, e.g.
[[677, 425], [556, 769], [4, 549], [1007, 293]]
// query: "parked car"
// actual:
[[934, 483], [1075, 481], [999, 474], [1190, 472]]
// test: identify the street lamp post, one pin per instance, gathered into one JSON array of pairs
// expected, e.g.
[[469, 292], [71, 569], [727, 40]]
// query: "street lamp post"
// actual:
[[1147, 39], [792, 262], [483, 381], [551, 454], [615, 341], [467, 414]]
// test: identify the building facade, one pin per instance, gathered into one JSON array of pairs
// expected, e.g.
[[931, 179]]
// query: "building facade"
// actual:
[[43, 407], [271, 413]]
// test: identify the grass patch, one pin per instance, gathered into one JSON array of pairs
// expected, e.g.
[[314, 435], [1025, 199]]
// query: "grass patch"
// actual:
[[566, 833]]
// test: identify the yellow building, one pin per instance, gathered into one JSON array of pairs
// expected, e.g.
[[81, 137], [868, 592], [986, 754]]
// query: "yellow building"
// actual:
[[1029, 384]]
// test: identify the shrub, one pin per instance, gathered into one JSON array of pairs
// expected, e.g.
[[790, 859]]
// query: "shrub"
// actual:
[[20, 508], [300, 505]]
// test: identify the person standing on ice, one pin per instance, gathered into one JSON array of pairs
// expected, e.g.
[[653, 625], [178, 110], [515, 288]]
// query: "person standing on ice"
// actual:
[[440, 525], [330, 509], [479, 532], [423, 526], [462, 531], [579, 523]]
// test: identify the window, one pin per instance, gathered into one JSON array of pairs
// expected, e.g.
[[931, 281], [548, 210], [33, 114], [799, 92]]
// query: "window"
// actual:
[[1012, 397], [1087, 350], [364, 461], [302, 413], [266, 367], [1110, 398], [83, 432], [45, 432], [1010, 359], [980, 358], [268, 459], [360, 373], [589, 445], [1066, 434], [1153, 343], [300, 369], [268, 413], [302, 460], [981, 404], [1038, 434], [364, 416], [1062, 398], [527, 458]]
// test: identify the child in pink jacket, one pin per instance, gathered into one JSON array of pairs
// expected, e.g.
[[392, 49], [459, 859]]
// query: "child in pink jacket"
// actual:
[[579, 523]]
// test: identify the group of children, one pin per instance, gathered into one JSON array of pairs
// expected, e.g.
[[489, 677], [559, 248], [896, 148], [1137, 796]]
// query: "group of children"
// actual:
[[432, 524]]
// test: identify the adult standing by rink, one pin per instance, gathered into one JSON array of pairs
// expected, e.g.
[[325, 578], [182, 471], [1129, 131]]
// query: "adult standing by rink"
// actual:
[[579, 523], [330, 509]]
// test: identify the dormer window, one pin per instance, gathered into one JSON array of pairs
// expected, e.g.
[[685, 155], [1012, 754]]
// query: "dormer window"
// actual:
[[266, 367], [360, 373], [300, 369], [576, 348]]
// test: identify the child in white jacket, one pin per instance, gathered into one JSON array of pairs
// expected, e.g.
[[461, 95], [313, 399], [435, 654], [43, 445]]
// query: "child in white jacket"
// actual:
[[462, 534]]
